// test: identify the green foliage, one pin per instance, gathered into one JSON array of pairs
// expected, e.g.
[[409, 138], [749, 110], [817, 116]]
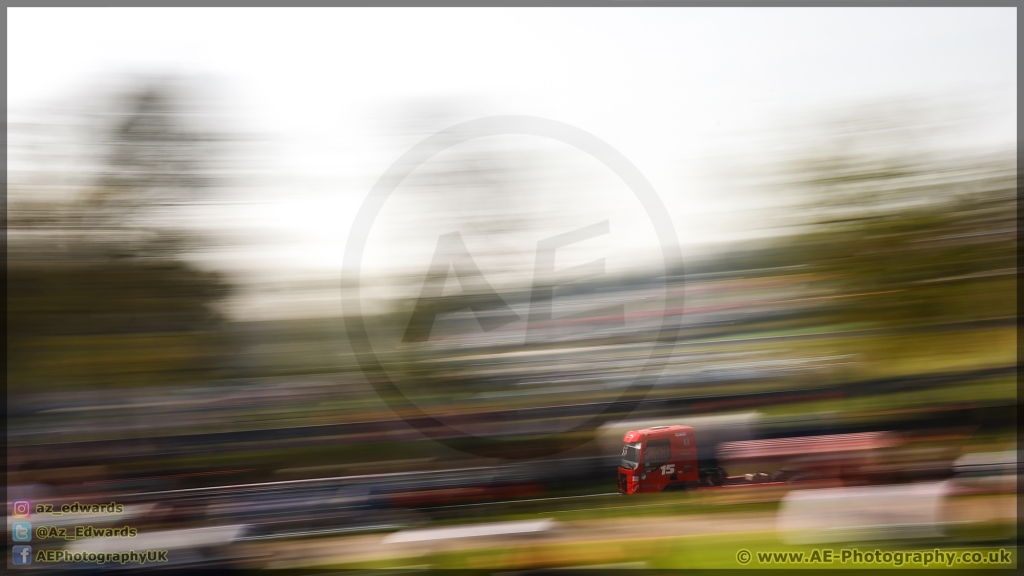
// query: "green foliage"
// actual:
[[123, 322], [98, 292]]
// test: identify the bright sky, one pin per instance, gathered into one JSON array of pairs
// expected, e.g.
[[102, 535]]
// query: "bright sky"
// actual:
[[671, 89]]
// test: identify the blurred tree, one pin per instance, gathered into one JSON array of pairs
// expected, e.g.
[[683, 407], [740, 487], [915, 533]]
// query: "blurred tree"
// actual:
[[157, 153], [901, 232], [98, 291]]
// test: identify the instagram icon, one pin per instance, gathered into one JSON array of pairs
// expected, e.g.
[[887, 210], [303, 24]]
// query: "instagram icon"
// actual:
[[21, 509]]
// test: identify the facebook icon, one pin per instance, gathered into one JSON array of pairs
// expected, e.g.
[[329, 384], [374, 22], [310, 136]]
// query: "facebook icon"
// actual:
[[21, 555]]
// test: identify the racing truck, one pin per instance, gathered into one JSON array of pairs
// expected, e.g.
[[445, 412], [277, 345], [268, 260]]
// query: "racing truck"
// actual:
[[663, 458]]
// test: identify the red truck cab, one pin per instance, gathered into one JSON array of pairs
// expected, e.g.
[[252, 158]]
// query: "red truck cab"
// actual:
[[662, 458]]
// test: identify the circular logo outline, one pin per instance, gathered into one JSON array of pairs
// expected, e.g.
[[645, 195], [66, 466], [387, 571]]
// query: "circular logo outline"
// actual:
[[356, 332]]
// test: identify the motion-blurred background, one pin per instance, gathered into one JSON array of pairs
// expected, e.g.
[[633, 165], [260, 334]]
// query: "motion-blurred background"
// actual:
[[181, 185]]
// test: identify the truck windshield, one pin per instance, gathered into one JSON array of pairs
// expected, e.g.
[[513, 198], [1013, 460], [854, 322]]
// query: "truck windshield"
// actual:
[[630, 456]]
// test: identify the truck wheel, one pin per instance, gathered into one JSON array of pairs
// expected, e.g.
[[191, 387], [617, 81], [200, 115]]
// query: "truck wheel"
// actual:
[[711, 477]]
